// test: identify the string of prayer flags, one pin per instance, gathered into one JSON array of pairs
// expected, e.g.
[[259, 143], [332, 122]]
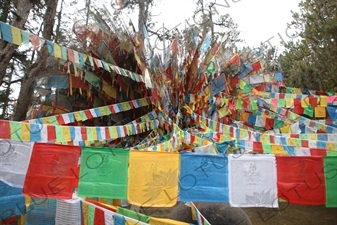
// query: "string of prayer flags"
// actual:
[[15, 35], [300, 179], [51, 171], [14, 161], [84, 115], [330, 174], [103, 173], [206, 181], [153, 179], [252, 181]]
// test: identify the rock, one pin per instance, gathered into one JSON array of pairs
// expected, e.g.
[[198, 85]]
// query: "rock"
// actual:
[[215, 213]]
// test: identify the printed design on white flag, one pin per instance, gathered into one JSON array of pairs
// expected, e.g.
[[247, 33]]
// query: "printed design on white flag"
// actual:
[[252, 181], [14, 161]]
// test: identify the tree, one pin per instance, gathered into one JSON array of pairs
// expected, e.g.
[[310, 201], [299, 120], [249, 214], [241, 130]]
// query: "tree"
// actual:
[[37, 68], [16, 13], [311, 61]]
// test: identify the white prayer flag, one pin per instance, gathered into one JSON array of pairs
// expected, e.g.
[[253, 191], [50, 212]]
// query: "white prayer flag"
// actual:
[[252, 181]]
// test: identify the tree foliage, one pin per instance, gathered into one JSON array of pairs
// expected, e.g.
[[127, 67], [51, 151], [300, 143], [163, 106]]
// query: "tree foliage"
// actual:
[[311, 61]]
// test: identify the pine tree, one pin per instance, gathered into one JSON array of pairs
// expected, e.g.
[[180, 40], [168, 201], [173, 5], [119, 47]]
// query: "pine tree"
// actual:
[[311, 61]]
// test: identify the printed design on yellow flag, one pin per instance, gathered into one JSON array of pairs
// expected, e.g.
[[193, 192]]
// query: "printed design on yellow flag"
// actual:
[[153, 179]]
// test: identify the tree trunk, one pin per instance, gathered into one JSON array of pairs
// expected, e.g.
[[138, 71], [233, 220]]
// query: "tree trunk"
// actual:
[[143, 15], [36, 69], [7, 92], [7, 49]]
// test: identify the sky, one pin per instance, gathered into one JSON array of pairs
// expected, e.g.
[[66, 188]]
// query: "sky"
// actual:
[[258, 20]]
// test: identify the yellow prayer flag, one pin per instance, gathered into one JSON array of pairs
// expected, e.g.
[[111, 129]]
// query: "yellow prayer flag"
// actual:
[[331, 146], [207, 90], [278, 150], [77, 116], [25, 131], [320, 111], [94, 133], [45, 120], [223, 112], [16, 35], [57, 51], [291, 142], [163, 221], [305, 102], [66, 133], [153, 179], [285, 129], [102, 110], [113, 132], [265, 139], [297, 91], [106, 65], [243, 133], [323, 100], [312, 137], [289, 102], [85, 213]]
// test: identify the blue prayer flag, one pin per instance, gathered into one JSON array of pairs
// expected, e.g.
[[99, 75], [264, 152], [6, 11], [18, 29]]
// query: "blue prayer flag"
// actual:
[[203, 177]]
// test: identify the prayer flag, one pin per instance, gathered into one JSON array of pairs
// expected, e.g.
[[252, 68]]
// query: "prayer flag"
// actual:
[[103, 173], [330, 174], [201, 172], [153, 179], [50, 172], [300, 179], [252, 181]]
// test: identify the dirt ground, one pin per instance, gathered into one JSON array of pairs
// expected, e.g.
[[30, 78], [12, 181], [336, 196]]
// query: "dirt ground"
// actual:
[[287, 214], [293, 214]]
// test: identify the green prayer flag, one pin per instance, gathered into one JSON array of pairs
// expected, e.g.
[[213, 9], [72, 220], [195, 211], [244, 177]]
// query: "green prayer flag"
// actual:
[[59, 133], [331, 153], [15, 128], [330, 174], [92, 78], [266, 148], [253, 105], [239, 104], [278, 124], [64, 53], [309, 111], [211, 68], [83, 116], [298, 142], [103, 173], [281, 103], [25, 37], [289, 89], [134, 215], [247, 88], [91, 214]]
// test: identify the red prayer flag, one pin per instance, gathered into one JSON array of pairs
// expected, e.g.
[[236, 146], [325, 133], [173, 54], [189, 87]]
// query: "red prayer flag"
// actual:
[[99, 218], [234, 60], [313, 101], [256, 66], [50, 172], [300, 179], [318, 151], [5, 132], [51, 133]]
